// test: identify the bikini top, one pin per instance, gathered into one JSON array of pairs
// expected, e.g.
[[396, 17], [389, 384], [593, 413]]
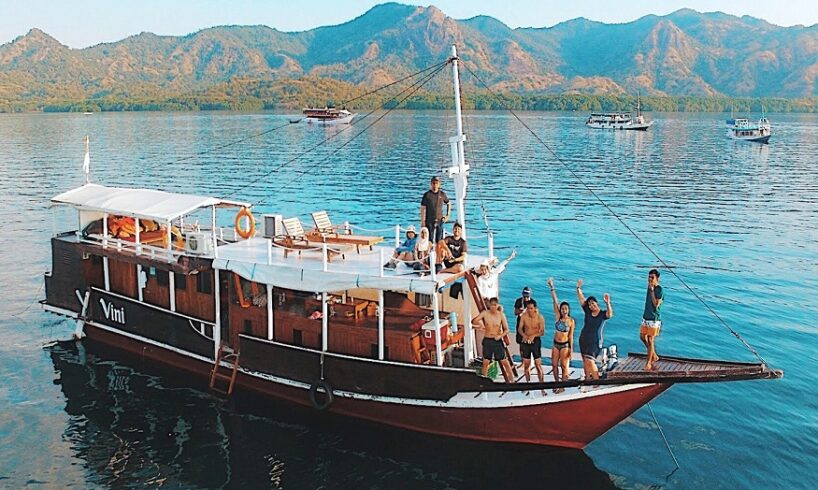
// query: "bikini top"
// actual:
[[560, 326]]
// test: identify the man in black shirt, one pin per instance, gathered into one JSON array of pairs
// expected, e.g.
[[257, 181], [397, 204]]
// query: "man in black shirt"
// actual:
[[458, 248], [431, 210], [519, 307]]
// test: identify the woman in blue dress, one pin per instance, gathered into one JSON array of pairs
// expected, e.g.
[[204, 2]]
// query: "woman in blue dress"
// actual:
[[591, 336]]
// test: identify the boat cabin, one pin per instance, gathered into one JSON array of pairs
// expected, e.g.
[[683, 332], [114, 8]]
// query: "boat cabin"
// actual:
[[328, 295]]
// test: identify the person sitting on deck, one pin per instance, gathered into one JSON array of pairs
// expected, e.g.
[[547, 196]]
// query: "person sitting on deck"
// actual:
[[423, 246], [406, 250], [495, 325], [532, 328], [563, 346], [458, 249], [652, 317], [591, 337]]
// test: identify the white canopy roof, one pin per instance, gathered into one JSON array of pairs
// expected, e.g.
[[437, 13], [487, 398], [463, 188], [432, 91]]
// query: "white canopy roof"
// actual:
[[304, 272], [139, 203]]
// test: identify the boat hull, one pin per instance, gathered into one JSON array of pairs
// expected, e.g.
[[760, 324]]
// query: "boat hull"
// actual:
[[755, 139], [625, 126], [330, 122], [572, 423]]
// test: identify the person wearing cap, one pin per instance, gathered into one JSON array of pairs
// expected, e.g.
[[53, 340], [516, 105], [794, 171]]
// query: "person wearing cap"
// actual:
[[457, 247], [519, 307], [431, 210], [406, 250]]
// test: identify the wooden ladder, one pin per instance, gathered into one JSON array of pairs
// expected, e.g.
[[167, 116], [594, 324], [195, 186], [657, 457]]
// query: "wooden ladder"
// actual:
[[480, 301], [232, 359]]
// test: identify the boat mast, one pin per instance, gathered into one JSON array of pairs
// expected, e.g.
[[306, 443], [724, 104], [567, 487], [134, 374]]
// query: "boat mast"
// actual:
[[459, 170]]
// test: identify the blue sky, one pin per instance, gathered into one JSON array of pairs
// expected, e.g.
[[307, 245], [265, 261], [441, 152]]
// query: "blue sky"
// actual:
[[82, 23]]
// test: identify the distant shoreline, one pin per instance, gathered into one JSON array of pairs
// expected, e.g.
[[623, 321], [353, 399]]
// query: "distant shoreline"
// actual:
[[432, 101]]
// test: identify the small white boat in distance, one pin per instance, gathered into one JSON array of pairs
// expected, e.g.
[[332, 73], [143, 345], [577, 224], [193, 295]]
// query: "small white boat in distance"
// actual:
[[328, 115], [742, 129]]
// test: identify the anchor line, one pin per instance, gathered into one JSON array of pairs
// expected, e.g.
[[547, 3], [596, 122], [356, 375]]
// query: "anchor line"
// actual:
[[208, 151], [412, 89], [273, 129], [621, 220], [434, 68], [443, 63]]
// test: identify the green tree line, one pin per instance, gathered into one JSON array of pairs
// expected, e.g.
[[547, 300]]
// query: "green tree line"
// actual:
[[256, 95]]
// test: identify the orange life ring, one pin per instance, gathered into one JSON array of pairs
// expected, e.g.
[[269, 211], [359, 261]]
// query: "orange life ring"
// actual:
[[251, 231]]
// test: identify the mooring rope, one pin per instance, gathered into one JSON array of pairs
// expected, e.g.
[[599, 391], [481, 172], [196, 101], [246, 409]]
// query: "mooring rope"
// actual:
[[621, 220], [412, 89], [433, 68]]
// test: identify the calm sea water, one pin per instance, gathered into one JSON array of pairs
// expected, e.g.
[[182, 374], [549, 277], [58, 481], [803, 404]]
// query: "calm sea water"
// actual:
[[738, 221]]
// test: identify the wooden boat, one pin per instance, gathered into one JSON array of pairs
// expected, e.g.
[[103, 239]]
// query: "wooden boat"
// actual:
[[744, 130], [619, 120], [346, 336], [327, 115]]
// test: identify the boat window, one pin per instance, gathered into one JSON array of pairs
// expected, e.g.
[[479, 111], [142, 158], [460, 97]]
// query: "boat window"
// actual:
[[180, 281], [423, 300], [162, 278], [203, 283]]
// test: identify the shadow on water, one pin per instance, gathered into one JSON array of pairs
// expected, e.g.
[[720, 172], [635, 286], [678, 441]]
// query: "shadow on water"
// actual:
[[134, 426]]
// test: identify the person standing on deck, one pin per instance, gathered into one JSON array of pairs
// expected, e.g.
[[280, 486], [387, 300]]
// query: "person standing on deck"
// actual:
[[519, 307], [431, 210], [495, 326], [532, 328], [652, 317], [591, 336], [563, 346]]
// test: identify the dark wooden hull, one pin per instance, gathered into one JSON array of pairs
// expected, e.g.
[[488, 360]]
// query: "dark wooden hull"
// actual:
[[571, 423]]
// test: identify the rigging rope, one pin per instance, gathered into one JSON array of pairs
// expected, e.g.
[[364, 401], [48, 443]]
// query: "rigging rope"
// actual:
[[414, 88], [621, 220], [437, 67], [142, 168]]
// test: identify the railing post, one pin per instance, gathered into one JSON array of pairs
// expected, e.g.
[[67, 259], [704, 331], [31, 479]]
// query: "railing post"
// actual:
[[269, 251], [491, 245], [136, 237], [436, 315], [270, 325], [380, 325], [217, 332], [381, 262], [432, 263], [324, 257], [324, 322], [105, 230], [397, 236]]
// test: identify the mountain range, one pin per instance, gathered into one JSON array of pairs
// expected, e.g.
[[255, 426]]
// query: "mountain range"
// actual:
[[685, 53]]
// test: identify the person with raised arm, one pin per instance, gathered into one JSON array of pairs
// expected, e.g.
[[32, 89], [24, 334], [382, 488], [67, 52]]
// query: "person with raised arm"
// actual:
[[563, 347], [591, 337]]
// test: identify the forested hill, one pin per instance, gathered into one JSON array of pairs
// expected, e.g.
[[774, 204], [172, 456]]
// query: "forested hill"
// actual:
[[688, 56]]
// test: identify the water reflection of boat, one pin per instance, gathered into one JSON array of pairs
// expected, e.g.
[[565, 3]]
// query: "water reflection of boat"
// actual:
[[310, 318], [126, 425]]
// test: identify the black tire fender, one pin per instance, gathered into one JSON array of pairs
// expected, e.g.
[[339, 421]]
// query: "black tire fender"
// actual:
[[328, 396]]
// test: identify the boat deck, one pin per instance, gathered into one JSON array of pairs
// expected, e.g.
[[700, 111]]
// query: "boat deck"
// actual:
[[345, 259]]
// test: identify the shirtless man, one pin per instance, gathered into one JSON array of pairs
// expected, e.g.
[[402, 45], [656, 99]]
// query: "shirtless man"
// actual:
[[532, 328], [495, 326]]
